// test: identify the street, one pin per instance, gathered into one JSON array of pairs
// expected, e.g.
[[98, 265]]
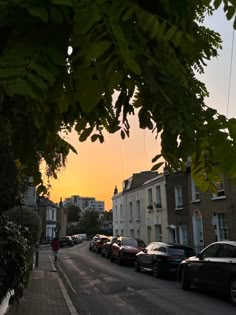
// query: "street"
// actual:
[[96, 286]]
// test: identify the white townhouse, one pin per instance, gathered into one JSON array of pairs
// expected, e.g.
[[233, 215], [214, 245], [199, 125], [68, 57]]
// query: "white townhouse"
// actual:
[[140, 210], [156, 214]]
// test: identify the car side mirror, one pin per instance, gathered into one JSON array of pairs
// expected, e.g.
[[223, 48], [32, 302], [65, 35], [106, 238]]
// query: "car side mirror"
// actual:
[[145, 250], [118, 243]]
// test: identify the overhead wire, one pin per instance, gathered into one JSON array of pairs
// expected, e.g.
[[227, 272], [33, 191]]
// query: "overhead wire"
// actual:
[[230, 74]]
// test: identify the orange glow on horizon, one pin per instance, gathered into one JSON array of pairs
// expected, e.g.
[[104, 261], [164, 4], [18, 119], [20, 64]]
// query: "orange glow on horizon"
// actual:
[[98, 168]]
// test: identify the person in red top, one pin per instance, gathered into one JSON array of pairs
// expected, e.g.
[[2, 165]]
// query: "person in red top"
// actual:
[[55, 244]]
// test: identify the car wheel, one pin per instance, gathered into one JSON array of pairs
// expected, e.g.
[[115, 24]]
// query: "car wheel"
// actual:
[[233, 291], [185, 283], [111, 258], [137, 265], [156, 272]]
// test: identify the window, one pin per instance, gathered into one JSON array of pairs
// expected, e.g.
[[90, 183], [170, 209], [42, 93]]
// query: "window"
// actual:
[[121, 212], [130, 211], [211, 251], [131, 232], [222, 228], [138, 209], [50, 214], [220, 189], [226, 251], [122, 232], [54, 215], [158, 197], [162, 249], [150, 201], [158, 233], [195, 192], [116, 213], [178, 197], [138, 233], [183, 234], [172, 235]]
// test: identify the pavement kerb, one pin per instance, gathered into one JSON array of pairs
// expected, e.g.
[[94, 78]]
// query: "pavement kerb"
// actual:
[[68, 301]]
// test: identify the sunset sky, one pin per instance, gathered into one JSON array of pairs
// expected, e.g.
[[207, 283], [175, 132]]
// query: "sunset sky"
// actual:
[[97, 168]]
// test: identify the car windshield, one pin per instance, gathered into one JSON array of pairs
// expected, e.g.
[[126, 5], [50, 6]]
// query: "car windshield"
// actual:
[[130, 242]]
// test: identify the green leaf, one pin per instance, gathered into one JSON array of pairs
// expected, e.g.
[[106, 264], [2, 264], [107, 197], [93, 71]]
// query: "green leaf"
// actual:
[[86, 19], [170, 33], [128, 14], [80, 124], [98, 49], [157, 157], [122, 134], [234, 25], [40, 12], [6, 73], [90, 93], [217, 3], [63, 2], [157, 166], [37, 81], [41, 190], [43, 72], [94, 138], [85, 134], [230, 12]]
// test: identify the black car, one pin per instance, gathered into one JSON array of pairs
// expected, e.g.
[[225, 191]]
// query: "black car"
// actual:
[[162, 258], [214, 268], [66, 241]]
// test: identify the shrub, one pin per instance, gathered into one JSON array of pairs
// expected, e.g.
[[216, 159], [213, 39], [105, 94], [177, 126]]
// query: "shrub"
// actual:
[[29, 218], [15, 264]]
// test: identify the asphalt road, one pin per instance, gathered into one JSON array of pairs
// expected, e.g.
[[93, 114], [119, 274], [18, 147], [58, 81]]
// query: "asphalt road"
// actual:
[[98, 287]]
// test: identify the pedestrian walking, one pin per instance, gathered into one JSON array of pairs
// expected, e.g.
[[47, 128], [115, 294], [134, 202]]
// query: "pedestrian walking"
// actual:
[[55, 244]]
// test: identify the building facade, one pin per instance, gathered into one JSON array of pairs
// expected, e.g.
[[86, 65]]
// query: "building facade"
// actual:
[[85, 203], [213, 215], [170, 208], [139, 210], [49, 214]]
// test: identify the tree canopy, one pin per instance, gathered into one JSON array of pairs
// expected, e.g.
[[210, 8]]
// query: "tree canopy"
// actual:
[[73, 213], [61, 61]]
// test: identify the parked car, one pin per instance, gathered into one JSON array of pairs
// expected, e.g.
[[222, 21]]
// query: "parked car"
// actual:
[[66, 241], [213, 268], [76, 239], [106, 247], [124, 250], [162, 258], [91, 243], [98, 243]]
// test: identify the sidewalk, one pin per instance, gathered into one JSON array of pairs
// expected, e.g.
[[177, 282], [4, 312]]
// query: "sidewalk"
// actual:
[[45, 293]]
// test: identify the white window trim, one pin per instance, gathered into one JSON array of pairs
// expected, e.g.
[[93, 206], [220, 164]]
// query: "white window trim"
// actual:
[[178, 206], [218, 197]]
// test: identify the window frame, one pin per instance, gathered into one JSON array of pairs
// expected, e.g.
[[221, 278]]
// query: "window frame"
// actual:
[[179, 202]]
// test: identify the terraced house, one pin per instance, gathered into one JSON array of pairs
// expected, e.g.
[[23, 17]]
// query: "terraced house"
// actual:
[[170, 208]]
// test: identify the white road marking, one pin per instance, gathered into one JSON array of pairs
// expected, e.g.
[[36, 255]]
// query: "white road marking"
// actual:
[[68, 301]]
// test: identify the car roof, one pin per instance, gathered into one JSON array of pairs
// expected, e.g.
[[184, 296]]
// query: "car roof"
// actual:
[[224, 242]]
